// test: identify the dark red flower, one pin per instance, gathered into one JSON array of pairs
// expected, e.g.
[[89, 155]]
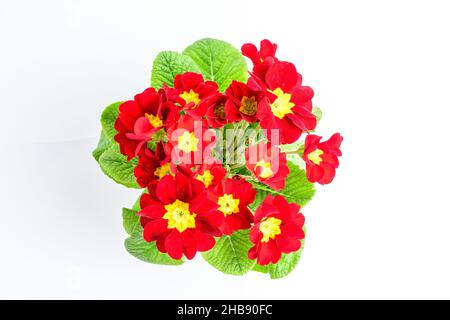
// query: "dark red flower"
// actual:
[[139, 118], [242, 103], [192, 93], [233, 198], [261, 59], [215, 114], [190, 141], [288, 107], [278, 229], [178, 215], [321, 158], [153, 165], [267, 164]]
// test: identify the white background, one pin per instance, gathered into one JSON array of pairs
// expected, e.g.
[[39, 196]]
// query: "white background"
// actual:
[[380, 71]]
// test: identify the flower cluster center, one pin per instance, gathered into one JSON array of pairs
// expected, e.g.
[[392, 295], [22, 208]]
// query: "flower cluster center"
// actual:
[[191, 96], [207, 178], [219, 111], [163, 170], [228, 205], [266, 169], [179, 217], [270, 227], [249, 106], [282, 104], [187, 142], [315, 156], [155, 121]]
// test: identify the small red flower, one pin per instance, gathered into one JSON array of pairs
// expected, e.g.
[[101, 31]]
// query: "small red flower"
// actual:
[[192, 93], [267, 164], [277, 229], [211, 173], [139, 118], [288, 107], [242, 103], [261, 59], [233, 198], [190, 141], [215, 114], [321, 158], [177, 214], [152, 166]]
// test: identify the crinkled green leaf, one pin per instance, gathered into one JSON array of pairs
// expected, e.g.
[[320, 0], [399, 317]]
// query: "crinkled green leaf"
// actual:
[[284, 266], [167, 65], [259, 268], [108, 119], [148, 252], [287, 263], [260, 196], [298, 189], [103, 144], [117, 167], [229, 255], [218, 61], [131, 222], [137, 246]]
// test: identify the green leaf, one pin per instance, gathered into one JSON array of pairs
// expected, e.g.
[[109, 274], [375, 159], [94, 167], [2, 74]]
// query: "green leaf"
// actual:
[[131, 222], [148, 252], [137, 204], [137, 246], [218, 61], [287, 263], [108, 119], [259, 268], [260, 196], [291, 147], [103, 144], [296, 159], [229, 255], [167, 65], [298, 189], [284, 266], [117, 167], [318, 113]]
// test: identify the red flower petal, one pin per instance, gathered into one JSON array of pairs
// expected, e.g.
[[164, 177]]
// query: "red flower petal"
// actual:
[[154, 229], [282, 75], [174, 245], [189, 244], [287, 244], [166, 190]]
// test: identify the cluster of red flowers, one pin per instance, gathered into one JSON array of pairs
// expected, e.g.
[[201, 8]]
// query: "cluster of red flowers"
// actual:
[[192, 198]]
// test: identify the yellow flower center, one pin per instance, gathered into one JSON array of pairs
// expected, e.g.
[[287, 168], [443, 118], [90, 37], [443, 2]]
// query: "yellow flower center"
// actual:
[[155, 121], [207, 178], [179, 217], [270, 227], [315, 156], [163, 171], [282, 104], [191, 96], [187, 142], [228, 205], [266, 169], [248, 106]]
